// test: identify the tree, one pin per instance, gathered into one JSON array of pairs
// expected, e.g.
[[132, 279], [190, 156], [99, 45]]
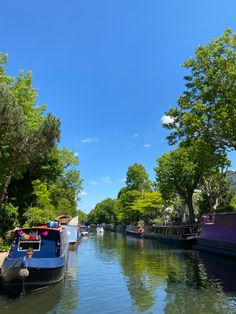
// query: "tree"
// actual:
[[207, 107], [29, 158], [126, 199], [9, 218], [182, 170], [26, 132], [82, 216], [137, 178], [43, 209], [66, 188], [104, 212], [149, 205], [215, 192]]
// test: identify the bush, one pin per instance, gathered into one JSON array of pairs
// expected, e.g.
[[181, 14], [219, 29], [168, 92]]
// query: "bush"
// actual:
[[9, 218]]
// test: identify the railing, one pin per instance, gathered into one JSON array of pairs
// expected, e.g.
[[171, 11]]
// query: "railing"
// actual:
[[186, 230]]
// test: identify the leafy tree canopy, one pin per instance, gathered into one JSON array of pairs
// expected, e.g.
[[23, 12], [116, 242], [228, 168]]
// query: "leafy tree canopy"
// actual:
[[151, 203], [137, 178], [183, 169], [207, 107]]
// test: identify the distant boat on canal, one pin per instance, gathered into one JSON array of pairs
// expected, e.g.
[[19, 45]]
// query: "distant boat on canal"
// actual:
[[72, 226], [37, 259], [136, 231], [73, 232], [99, 229], [84, 231]]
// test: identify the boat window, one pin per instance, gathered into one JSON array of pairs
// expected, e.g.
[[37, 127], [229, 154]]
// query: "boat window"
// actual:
[[25, 245]]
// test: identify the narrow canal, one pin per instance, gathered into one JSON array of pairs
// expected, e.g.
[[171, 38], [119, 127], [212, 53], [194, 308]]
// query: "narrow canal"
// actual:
[[114, 274]]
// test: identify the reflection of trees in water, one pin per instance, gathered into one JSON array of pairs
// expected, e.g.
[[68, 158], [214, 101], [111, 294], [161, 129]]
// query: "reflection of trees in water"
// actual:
[[195, 292], [147, 265], [70, 296], [144, 265]]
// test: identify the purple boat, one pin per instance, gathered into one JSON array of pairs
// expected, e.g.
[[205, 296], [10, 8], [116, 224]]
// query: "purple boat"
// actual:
[[218, 234]]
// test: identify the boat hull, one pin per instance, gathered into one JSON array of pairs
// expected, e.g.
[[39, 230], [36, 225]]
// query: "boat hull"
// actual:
[[37, 279], [218, 234], [134, 233]]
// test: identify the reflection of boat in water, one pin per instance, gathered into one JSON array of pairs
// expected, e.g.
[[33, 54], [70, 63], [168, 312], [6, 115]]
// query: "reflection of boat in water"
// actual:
[[99, 229], [45, 266], [224, 276]]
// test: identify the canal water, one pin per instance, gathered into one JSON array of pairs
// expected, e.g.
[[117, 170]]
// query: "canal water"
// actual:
[[114, 274]]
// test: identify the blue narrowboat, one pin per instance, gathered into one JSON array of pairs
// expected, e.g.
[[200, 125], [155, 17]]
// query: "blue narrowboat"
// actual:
[[38, 258]]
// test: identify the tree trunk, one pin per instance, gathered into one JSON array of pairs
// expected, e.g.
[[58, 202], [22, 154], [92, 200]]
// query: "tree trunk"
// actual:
[[189, 202]]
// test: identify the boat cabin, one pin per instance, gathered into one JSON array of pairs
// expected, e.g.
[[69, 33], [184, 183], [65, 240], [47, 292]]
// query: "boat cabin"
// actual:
[[44, 242]]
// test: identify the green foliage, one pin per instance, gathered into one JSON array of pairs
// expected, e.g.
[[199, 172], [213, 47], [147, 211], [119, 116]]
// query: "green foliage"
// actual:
[[137, 178], [42, 195], [104, 212], [215, 193], [183, 169], [150, 205], [38, 216], [82, 216], [4, 246], [233, 202], [43, 209], [26, 133], [39, 178], [67, 186], [207, 107], [126, 199], [9, 218]]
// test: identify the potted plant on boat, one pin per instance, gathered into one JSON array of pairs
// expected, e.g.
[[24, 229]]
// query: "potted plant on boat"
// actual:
[[30, 252]]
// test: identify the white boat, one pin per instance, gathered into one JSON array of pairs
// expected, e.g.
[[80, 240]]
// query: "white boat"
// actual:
[[99, 229]]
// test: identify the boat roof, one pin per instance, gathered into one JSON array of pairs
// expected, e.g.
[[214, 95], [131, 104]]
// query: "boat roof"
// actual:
[[63, 219], [44, 227]]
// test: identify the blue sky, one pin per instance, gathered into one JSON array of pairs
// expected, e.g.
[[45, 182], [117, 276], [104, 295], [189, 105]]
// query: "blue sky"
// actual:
[[109, 69]]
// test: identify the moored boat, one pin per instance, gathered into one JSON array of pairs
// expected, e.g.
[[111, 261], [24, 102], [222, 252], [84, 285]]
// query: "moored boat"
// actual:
[[136, 231], [218, 234], [99, 229], [73, 232], [185, 235], [38, 258], [84, 231]]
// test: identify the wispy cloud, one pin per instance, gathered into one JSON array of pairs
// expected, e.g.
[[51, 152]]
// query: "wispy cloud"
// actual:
[[93, 182], [90, 140], [135, 135], [167, 119], [146, 145], [76, 154], [82, 193], [106, 179], [122, 180]]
